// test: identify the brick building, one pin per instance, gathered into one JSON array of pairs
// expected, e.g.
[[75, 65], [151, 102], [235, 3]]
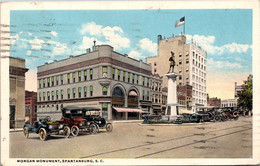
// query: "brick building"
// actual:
[[31, 106]]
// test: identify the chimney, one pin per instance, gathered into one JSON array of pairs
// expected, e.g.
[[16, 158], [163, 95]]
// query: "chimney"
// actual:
[[88, 50], [94, 46]]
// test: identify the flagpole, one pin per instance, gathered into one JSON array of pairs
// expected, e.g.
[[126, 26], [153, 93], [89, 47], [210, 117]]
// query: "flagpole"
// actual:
[[184, 26]]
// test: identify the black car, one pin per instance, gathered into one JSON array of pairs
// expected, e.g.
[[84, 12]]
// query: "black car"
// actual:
[[45, 127], [91, 114]]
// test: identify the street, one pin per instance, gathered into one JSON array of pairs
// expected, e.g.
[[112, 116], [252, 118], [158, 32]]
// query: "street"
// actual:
[[230, 139]]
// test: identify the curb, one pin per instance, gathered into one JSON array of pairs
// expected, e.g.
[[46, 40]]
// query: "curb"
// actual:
[[183, 124], [128, 121], [16, 130]]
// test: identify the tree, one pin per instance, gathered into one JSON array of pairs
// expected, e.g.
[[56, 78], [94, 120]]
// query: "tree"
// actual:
[[245, 97]]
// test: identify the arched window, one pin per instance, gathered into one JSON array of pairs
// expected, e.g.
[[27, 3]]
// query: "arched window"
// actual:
[[104, 90]]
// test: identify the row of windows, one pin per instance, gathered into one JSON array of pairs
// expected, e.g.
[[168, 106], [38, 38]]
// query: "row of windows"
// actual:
[[199, 65], [198, 94], [157, 98], [200, 101], [229, 105], [70, 93], [130, 77], [199, 58], [198, 79], [69, 77], [180, 69], [198, 87], [199, 72], [156, 86], [146, 96]]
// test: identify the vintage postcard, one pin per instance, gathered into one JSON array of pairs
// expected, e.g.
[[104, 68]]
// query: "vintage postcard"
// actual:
[[129, 83]]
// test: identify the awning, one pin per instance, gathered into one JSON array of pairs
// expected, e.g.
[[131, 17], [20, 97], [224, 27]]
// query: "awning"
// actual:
[[133, 93], [128, 110]]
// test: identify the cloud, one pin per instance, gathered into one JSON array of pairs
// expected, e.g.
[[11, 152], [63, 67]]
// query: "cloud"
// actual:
[[59, 48], [135, 55], [53, 33], [29, 52], [106, 35], [213, 64], [92, 28], [36, 43], [207, 43], [148, 45]]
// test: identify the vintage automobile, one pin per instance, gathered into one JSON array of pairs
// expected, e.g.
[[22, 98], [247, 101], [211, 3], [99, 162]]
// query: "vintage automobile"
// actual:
[[45, 127], [72, 116], [91, 114], [189, 118]]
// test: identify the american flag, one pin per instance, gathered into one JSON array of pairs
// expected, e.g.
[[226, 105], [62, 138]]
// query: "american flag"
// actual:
[[180, 22]]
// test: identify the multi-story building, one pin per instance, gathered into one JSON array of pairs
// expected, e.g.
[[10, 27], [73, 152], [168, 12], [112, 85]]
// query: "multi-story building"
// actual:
[[229, 103], [117, 84], [214, 101], [31, 106], [239, 88], [157, 95], [17, 72], [190, 62]]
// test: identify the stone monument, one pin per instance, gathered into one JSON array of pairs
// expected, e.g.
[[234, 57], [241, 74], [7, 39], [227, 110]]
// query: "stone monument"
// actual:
[[172, 109]]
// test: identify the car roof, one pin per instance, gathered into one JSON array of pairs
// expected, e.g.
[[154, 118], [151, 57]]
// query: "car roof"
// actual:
[[80, 108]]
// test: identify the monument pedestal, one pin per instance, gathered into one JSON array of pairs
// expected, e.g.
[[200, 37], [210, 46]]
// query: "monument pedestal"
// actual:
[[171, 108]]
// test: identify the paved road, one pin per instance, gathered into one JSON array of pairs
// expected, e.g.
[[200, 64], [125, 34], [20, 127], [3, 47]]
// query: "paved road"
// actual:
[[231, 139]]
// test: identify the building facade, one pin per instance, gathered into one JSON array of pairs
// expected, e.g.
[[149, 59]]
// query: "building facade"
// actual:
[[117, 84], [214, 101], [157, 95], [30, 107], [17, 72], [229, 103], [190, 62]]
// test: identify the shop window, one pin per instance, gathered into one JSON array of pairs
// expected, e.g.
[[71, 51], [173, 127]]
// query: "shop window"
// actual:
[[104, 90]]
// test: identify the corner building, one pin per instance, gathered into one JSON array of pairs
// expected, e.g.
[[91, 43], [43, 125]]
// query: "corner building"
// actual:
[[117, 84], [190, 63]]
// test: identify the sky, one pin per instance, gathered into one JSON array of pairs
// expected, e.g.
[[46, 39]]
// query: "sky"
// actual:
[[41, 36]]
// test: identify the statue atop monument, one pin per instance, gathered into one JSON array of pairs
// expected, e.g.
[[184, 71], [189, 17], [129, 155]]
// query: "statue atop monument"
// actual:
[[172, 62]]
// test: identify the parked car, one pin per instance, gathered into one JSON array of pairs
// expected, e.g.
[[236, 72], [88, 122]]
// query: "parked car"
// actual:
[[45, 127], [72, 116], [92, 115]]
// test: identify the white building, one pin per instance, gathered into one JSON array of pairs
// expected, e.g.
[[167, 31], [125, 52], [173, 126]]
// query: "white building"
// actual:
[[190, 62]]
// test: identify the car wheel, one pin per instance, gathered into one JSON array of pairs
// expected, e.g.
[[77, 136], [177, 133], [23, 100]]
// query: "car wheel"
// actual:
[[97, 129], [109, 127], [43, 134], [26, 132], [75, 131], [93, 129], [66, 132], [217, 118]]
